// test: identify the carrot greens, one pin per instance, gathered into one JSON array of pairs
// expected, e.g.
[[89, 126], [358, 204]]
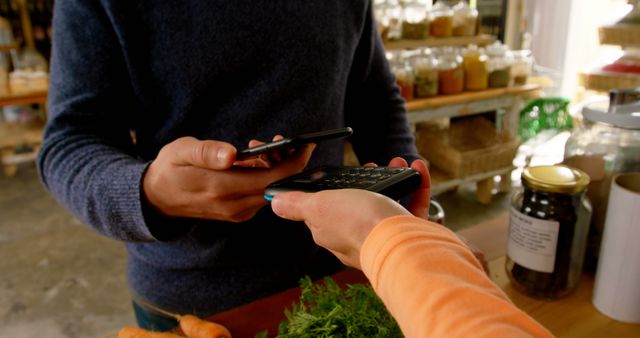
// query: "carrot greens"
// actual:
[[327, 310]]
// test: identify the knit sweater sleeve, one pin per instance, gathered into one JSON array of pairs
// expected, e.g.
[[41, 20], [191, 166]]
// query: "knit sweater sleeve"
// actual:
[[433, 285], [374, 107], [88, 160]]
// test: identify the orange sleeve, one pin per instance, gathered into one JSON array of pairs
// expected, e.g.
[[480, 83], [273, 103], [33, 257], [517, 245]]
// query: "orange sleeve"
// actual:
[[435, 287]]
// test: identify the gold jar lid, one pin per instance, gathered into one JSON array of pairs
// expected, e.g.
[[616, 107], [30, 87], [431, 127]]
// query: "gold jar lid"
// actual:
[[555, 178]]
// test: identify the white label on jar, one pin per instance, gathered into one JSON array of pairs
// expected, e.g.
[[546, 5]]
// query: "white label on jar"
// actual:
[[533, 242]]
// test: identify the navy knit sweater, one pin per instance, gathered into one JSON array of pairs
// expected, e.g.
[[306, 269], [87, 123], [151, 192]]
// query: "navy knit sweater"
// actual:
[[212, 69]]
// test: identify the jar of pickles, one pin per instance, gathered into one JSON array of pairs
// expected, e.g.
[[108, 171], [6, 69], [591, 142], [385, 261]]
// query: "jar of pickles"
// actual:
[[548, 231], [441, 20], [450, 73], [499, 65], [425, 70], [465, 19], [476, 74], [415, 24]]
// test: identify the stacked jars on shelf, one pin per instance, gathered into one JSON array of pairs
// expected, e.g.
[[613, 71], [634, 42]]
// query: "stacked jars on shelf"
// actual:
[[428, 72], [417, 20]]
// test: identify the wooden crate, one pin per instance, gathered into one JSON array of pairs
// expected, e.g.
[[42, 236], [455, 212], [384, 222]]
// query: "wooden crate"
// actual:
[[467, 147]]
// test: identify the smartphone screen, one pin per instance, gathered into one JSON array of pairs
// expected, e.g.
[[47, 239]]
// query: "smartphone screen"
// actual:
[[293, 142]]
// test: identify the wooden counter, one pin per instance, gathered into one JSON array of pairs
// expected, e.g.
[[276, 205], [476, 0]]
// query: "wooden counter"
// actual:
[[572, 316]]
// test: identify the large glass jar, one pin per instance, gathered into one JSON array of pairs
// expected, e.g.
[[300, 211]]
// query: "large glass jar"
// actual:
[[476, 74], [607, 143], [450, 73], [521, 67], [465, 19], [425, 70], [499, 65], [548, 231], [441, 17], [415, 24]]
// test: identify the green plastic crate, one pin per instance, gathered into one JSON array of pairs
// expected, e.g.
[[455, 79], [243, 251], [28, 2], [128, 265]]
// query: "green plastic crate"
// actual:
[[542, 114]]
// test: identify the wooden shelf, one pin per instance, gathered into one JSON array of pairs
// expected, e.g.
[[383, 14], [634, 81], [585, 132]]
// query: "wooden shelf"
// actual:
[[7, 48], [624, 35], [467, 103], [28, 92], [480, 40], [441, 182], [605, 81]]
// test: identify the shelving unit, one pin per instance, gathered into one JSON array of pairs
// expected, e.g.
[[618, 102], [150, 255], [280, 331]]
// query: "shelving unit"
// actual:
[[479, 40], [16, 135], [20, 142], [470, 103], [625, 36]]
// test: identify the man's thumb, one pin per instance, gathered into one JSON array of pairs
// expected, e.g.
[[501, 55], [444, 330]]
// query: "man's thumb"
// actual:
[[204, 154]]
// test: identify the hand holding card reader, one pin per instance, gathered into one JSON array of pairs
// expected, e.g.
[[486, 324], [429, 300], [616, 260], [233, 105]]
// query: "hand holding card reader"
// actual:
[[394, 183]]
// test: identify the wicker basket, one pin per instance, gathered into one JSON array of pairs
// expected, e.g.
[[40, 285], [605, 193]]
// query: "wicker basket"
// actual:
[[467, 147]]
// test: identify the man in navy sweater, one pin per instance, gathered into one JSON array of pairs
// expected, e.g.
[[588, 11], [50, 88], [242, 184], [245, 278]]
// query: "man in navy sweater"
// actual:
[[195, 81]]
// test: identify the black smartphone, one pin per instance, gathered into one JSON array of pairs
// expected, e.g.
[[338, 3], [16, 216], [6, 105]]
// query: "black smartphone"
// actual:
[[293, 142], [392, 182]]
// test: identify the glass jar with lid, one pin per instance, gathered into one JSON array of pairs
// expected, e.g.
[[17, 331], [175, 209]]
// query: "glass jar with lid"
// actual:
[[607, 143], [476, 73], [450, 72], [499, 65], [521, 67], [548, 229], [465, 19], [415, 23], [403, 73], [441, 20], [425, 70], [388, 15]]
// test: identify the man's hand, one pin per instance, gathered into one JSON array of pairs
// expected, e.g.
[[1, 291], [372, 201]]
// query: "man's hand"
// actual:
[[192, 178]]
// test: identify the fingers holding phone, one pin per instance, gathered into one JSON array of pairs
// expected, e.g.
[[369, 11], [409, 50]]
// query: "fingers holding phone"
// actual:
[[264, 159], [261, 155], [193, 178]]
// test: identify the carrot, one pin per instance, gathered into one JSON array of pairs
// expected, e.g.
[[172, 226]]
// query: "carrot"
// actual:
[[195, 327], [134, 332]]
